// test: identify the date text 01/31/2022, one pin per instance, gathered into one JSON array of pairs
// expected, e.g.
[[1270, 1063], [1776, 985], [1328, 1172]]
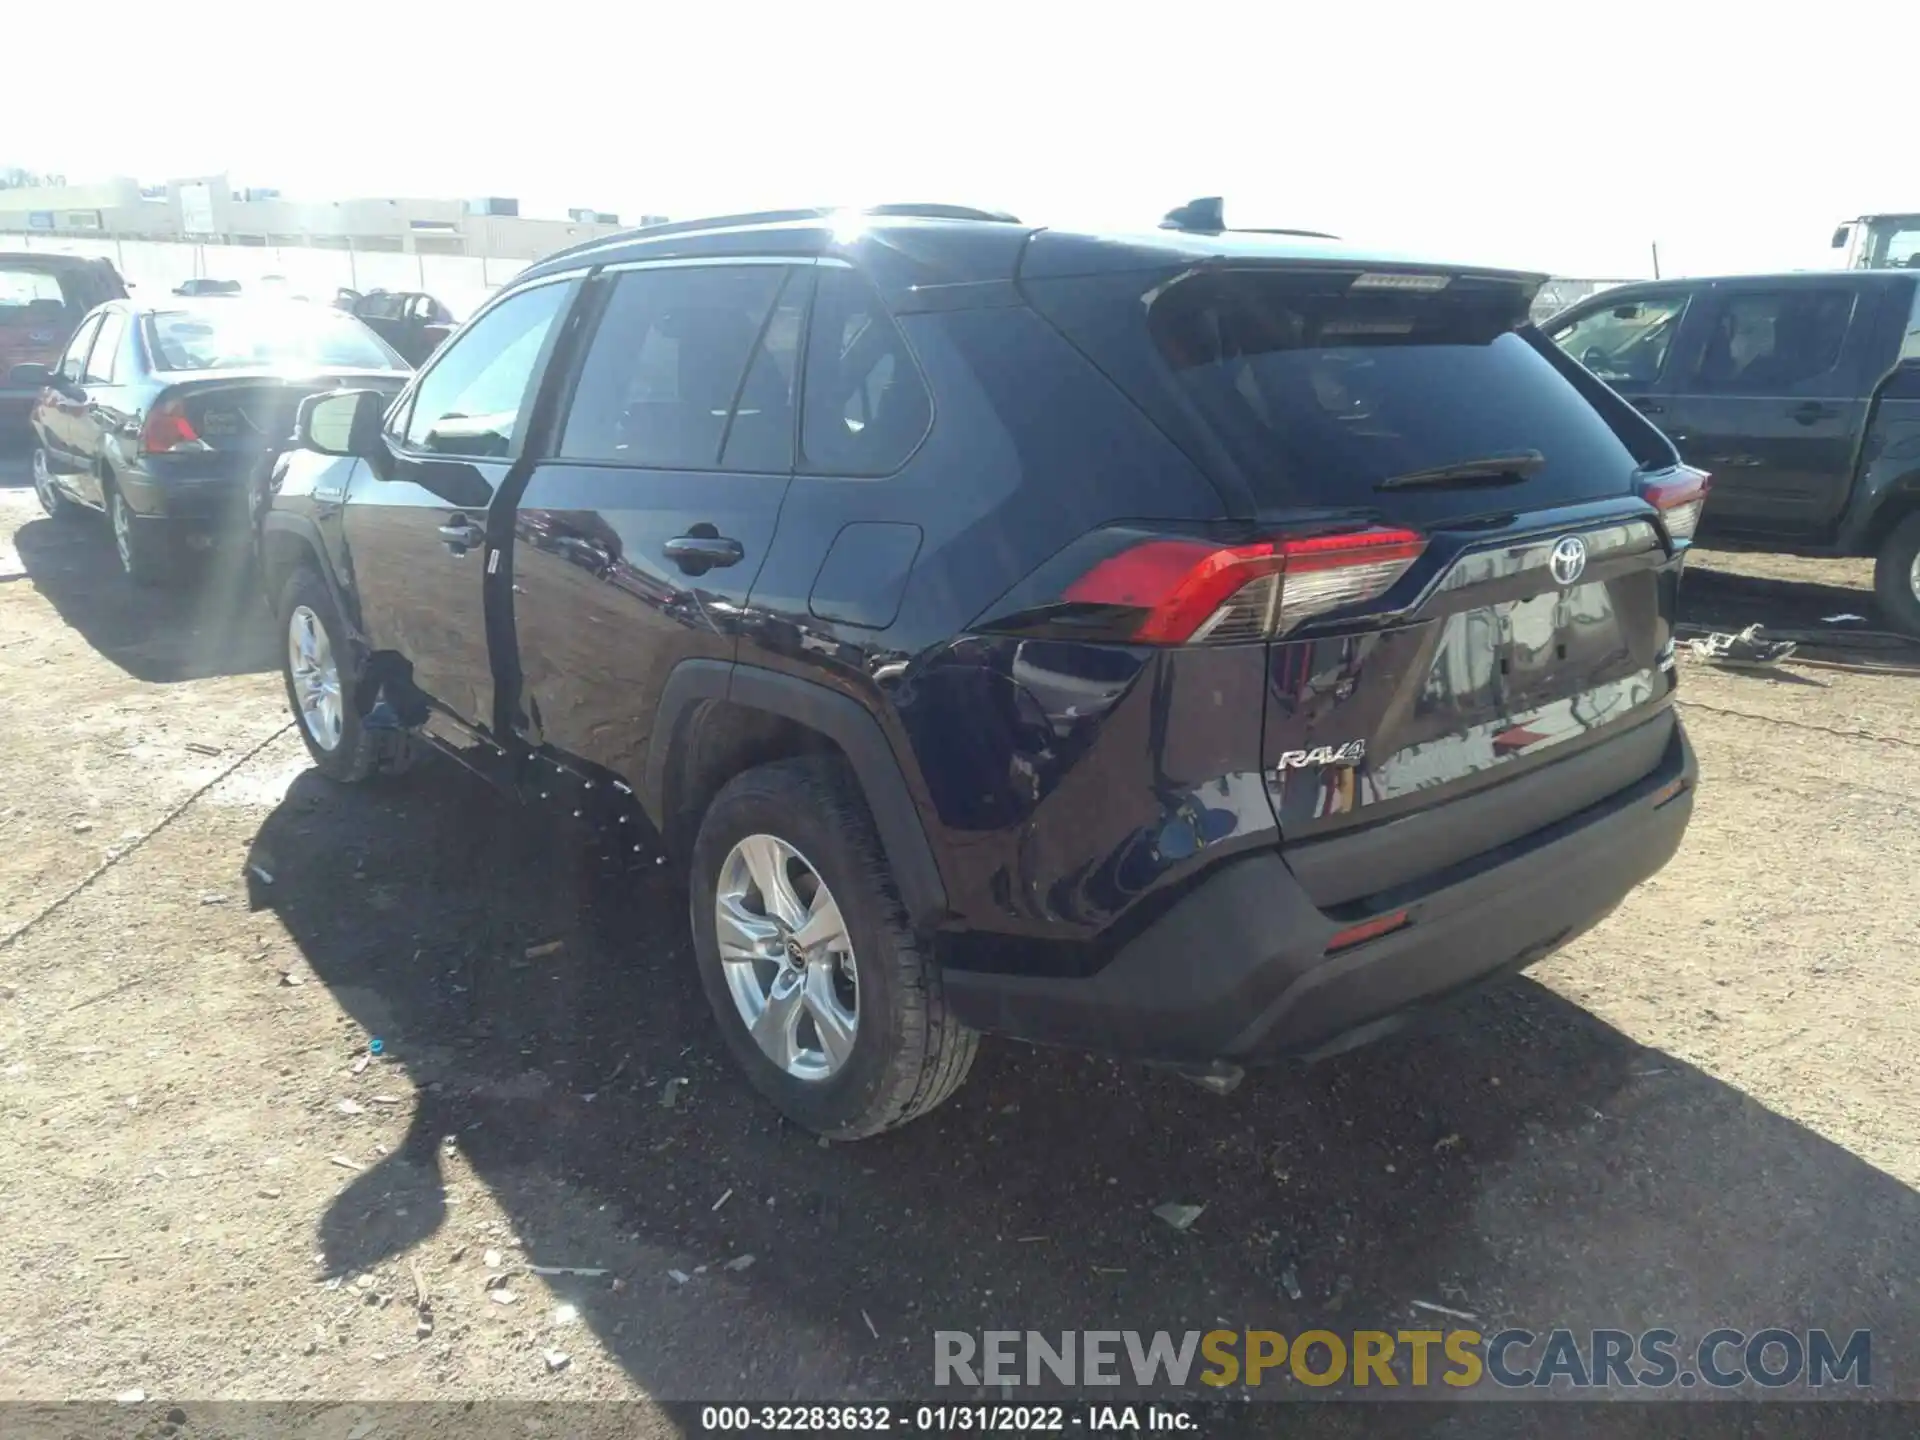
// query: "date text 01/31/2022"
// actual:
[[946, 1419]]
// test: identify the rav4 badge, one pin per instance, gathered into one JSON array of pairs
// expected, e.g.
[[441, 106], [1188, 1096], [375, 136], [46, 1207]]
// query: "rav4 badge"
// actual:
[[1351, 753]]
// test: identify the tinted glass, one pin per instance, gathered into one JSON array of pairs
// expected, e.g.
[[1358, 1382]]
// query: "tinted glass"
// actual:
[[1627, 342], [1770, 342], [469, 402], [867, 408], [666, 366], [76, 356], [240, 336], [33, 300], [106, 348], [1320, 390], [760, 435]]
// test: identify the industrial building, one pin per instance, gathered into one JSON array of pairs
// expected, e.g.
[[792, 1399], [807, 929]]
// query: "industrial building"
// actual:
[[210, 210]]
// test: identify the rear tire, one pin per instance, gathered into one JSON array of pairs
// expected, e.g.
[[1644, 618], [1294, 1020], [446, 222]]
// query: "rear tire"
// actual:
[[47, 491], [146, 555], [316, 668], [906, 1052], [1896, 576]]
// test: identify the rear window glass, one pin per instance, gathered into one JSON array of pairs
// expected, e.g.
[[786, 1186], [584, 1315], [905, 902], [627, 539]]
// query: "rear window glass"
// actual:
[[1319, 390], [242, 337], [31, 299]]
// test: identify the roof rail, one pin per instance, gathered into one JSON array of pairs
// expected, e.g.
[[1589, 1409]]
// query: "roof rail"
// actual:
[[929, 211], [1208, 216]]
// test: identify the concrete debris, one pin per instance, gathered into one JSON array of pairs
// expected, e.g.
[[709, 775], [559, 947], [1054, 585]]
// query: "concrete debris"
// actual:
[[739, 1262], [351, 1107], [1180, 1217], [131, 1397], [670, 1092], [566, 1315], [494, 1259], [535, 952], [557, 1360], [679, 1277], [504, 1296], [345, 1164]]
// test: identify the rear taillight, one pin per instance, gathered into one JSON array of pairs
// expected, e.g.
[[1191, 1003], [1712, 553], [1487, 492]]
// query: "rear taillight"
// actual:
[[1189, 591], [168, 428], [1680, 498]]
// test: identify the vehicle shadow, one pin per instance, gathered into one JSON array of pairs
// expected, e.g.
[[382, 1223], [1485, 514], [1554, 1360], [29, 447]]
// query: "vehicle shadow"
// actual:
[[210, 623], [1524, 1163]]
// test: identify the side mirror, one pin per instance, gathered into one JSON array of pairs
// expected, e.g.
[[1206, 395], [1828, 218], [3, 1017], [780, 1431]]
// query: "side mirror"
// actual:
[[341, 422], [29, 377], [1840, 237]]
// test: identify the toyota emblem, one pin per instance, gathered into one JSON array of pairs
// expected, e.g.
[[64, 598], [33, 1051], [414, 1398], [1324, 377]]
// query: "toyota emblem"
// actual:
[[1569, 559]]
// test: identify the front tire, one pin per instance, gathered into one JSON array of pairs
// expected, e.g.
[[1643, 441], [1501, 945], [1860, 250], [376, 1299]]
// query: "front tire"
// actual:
[[822, 992], [1896, 576], [316, 668]]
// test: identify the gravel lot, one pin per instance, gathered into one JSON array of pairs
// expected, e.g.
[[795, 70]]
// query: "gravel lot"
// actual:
[[1702, 1114]]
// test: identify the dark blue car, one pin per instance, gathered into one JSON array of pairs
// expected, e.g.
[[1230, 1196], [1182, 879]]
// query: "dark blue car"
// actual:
[[1204, 647]]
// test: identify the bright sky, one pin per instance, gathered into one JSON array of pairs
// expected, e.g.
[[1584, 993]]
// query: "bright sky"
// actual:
[[1559, 137]]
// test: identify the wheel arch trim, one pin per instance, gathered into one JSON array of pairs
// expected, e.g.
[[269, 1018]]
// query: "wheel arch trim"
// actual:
[[838, 717], [306, 534]]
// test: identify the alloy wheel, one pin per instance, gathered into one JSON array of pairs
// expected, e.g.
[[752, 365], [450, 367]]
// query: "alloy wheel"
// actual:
[[787, 958], [43, 482], [1913, 576], [316, 677], [123, 532]]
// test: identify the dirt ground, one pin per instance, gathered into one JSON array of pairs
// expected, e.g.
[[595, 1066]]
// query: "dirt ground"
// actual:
[[1702, 1114]]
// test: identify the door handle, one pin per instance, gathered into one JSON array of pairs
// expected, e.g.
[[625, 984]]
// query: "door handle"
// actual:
[[1813, 410], [1649, 407], [461, 534], [703, 549]]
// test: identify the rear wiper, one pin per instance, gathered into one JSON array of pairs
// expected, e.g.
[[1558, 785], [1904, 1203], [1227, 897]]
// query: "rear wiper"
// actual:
[[1493, 470]]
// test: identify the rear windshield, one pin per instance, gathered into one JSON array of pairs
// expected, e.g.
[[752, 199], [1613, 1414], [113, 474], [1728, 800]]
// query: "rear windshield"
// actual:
[[33, 299], [1320, 390], [250, 337]]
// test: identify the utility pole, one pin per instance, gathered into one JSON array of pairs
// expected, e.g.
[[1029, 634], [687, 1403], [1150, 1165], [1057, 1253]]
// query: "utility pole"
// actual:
[[1656, 259]]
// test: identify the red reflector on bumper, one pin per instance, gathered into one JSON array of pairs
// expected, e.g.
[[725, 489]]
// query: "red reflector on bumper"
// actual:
[[1367, 930]]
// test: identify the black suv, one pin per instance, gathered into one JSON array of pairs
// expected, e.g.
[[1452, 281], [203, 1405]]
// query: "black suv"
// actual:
[[1800, 392], [1202, 647]]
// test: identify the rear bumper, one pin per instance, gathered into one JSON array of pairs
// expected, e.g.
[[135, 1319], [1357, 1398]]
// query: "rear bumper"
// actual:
[[1239, 969], [205, 493]]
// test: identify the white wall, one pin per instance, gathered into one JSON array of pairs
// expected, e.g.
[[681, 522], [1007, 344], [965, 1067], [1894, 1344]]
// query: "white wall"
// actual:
[[154, 267]]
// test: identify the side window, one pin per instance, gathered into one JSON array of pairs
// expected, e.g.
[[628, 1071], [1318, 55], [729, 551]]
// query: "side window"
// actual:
[[106, 348], [469, 402], [1625, 342], [668, 364], [760, 434], [1775, 342], [866, 407], [74, 360]]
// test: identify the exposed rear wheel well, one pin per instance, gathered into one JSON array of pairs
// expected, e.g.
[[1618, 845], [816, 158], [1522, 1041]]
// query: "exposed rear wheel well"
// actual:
[[1888, 517], [282, 553], [718, 740]]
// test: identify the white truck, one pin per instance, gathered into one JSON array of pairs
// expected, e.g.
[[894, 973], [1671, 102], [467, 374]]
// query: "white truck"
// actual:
[[1880, 242]]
